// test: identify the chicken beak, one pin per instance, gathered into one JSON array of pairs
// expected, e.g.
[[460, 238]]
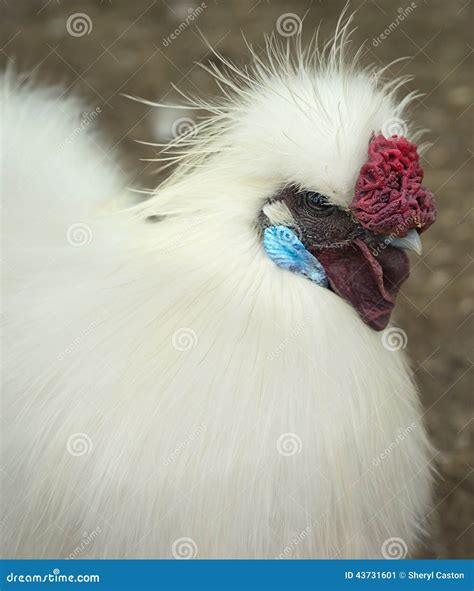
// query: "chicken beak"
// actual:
[[411, 241]]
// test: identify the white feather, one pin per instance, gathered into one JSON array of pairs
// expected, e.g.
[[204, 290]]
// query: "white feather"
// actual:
[[181, 358]]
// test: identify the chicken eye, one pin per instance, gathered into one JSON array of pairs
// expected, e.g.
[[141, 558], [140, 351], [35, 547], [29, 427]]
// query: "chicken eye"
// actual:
[[315, 203], [315, 199]]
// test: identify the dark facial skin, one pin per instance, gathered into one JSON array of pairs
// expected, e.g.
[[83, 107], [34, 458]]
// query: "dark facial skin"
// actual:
[[364, 275], [322, 225], [319, 223]]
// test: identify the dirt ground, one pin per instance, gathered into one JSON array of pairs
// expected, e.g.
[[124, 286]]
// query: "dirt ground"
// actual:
[[127, 47]]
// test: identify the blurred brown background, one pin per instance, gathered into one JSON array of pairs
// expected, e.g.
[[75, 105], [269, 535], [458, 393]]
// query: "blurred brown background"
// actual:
[[110, 47]]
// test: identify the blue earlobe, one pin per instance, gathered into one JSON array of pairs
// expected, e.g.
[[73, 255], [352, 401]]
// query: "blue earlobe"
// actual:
[[287, 251]]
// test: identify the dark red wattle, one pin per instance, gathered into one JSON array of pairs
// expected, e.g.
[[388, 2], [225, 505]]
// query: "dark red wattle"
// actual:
[[389, 198], [369, 282]]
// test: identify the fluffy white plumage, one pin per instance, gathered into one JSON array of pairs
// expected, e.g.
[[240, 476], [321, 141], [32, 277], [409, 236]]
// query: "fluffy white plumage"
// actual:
[[157, 377]]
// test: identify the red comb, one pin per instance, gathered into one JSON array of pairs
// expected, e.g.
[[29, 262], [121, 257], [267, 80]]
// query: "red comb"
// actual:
[[389, 198]]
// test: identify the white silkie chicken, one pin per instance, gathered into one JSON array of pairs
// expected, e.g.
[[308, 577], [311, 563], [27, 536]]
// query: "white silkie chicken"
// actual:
[[203, 375]]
